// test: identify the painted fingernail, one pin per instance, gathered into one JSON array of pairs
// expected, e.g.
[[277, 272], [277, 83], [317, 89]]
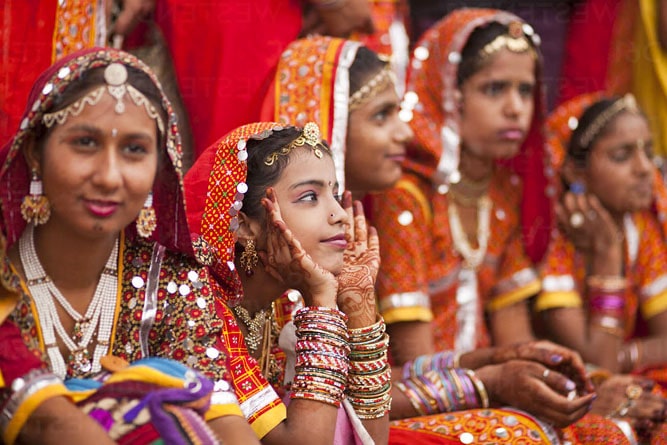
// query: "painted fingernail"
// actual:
[[570, 385], [556, 358]]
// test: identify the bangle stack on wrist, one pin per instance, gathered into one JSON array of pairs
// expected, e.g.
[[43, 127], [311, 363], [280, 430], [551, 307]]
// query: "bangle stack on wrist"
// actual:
[[322, 351], [369, 379], [444, 390], [14, 414], [431, 362], [606, 303]]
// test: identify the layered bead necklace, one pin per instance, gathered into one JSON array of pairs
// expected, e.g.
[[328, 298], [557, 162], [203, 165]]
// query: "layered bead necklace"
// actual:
[[467, 292], [96, 322]]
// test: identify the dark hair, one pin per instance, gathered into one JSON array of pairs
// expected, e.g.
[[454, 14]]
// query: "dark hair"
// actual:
[[261, 176], [95, 77], [471, 62], [366, 64], [576, 150]]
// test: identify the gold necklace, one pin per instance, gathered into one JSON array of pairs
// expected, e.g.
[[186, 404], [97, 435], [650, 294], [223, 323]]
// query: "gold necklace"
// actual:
[[256, 325], [475, 186], [463, 200]]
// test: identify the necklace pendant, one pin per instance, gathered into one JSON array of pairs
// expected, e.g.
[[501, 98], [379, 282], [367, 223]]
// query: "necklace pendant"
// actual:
[[79, 328], [79, 362]]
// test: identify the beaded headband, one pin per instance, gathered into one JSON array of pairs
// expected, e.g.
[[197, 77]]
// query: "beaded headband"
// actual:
[[310, 135], [115, 76], [378, 83], [626, 102], [515, 40]]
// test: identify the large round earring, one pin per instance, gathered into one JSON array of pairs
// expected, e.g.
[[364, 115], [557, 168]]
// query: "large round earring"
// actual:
[[249, 258], [35, 208], [147, 220]]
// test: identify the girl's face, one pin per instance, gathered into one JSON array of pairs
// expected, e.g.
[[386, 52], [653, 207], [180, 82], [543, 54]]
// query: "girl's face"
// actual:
[[497, 105], [98, 167], [375, 147], [619, 170], [308, 195]]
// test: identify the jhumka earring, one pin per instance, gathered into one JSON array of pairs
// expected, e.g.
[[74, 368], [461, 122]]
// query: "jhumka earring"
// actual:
[[35, 207], [147, 221], [249, 258]]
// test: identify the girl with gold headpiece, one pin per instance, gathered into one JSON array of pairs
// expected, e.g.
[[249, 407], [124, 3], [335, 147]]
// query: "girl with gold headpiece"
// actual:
[[604, 291], [100, 253], [265, 201]]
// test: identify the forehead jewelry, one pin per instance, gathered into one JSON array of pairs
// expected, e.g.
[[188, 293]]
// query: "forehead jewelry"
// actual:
[[515, 40], [114, 132], [309, 136], [378, 83], [115, 78], [627, 103]]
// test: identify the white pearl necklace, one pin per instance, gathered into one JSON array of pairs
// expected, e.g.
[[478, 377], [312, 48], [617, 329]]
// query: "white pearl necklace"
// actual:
[[472, 257], [98, 319]]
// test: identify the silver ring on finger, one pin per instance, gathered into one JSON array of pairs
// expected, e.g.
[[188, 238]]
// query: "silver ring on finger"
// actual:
[[577, 220], [546, 373]]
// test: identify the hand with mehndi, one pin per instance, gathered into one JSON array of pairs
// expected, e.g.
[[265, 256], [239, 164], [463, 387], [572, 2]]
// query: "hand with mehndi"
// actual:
[[356, 282], [630, 397], [587, 224], [287, 261], [558, 358], [536, 389]]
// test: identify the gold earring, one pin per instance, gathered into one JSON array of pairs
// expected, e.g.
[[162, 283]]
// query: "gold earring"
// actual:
[[147, 220], [249, 258], [35, 208]]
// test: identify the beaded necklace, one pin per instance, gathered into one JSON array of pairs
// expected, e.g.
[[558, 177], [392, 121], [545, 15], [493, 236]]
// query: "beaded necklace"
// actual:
[[472, 257], [97, 321]]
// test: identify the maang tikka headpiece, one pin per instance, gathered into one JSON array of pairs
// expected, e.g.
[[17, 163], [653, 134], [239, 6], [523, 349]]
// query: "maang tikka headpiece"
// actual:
[[115, 77], [310, 135], [515, 40]]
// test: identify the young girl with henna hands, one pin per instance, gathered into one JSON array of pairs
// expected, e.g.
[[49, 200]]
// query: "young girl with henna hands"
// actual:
[[265, 201], [604, 282]]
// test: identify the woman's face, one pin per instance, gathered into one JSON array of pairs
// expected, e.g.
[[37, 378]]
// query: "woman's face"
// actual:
[[497, 105], [619, 170], [98, 167], [308, 195], [375, 147]]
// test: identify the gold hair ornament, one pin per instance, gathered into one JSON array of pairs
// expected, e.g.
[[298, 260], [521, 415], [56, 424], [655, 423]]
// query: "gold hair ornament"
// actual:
[[310, 136], [378, 83], [515, 40], [626, 102], [115, 77]]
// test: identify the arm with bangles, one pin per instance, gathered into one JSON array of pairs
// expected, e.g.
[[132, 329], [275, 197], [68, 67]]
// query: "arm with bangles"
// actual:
[[329, 342], [369, 379], [541, 378], [595, 331], [35, 407]]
